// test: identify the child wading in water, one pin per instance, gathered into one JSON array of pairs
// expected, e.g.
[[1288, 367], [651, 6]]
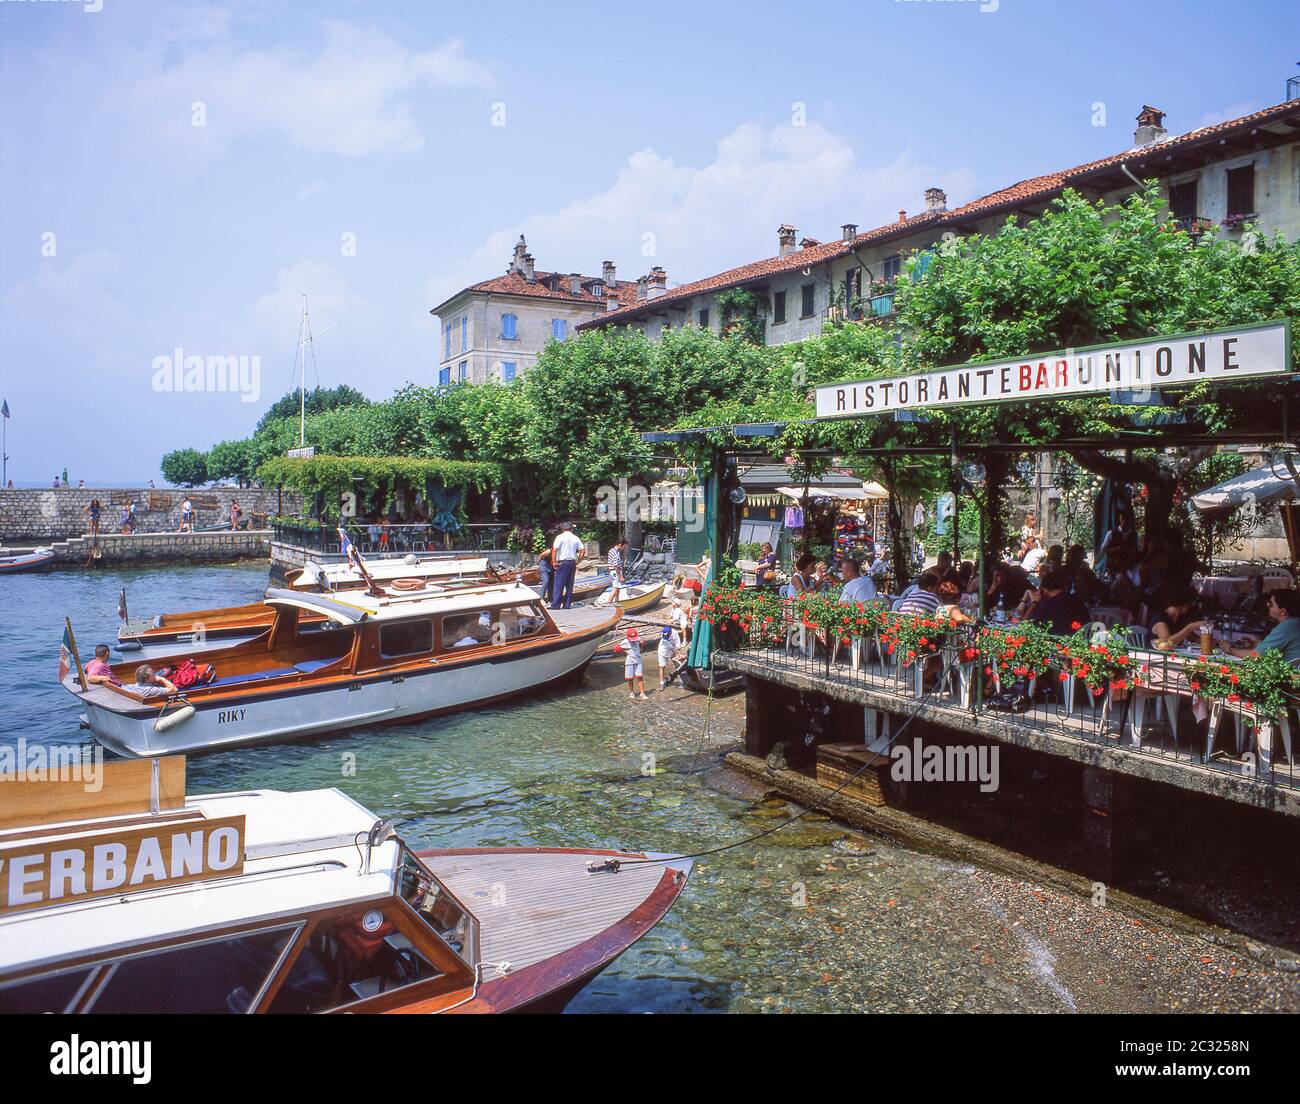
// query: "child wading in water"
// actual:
[[633, 669], [670, 643]]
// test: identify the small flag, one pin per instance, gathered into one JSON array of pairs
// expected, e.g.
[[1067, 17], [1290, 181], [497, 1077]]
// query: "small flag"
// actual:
[[65, 653], [4, 408], [121, 605]]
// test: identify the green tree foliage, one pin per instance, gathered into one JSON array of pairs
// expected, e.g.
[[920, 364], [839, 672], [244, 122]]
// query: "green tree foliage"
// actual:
[[232, 460], [185, 467], [318, 399]]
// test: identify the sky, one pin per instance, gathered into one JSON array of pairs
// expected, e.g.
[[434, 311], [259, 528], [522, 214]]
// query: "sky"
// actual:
[[175, 177]]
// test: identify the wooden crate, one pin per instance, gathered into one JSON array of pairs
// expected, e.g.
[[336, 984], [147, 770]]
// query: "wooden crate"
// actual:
[[838, 763]]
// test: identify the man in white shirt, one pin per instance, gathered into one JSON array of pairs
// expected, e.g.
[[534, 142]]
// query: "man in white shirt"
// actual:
[[857, 587], [880, 567], [1034, 556], [567, 548]]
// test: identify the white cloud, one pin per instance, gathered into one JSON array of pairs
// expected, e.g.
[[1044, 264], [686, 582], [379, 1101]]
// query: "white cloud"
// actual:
[[708, 218], [1232, 111], [330, 300], [354, 94]]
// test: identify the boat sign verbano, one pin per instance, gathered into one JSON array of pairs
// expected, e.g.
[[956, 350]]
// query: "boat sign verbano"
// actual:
[[1134, 368]]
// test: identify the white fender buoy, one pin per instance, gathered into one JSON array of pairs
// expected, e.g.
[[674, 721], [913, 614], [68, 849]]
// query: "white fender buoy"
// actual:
[[167, 721]]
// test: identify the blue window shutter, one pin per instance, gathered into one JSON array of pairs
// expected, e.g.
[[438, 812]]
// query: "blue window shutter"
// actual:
[[508, 326], [463, 372], [444, 376], [446, 333], [559, 329], [508, 371], [464, 332]]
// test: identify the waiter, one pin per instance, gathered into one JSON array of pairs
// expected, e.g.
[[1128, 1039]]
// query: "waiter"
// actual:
[[567, 548]]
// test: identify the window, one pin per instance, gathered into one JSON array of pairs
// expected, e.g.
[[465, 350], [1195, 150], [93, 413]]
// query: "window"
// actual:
[[509, 326], [559, 329], [446, 333], [224, 975], [1182, 200], [597, 290], [704, 319], [514, 622], [808, 300], [890, 267], [778, 308], [444, 376], [435, 905], [464, 332], [1241, 191], [462, 371], [406, 638], [354, 958], [508, 370], [465, 630]]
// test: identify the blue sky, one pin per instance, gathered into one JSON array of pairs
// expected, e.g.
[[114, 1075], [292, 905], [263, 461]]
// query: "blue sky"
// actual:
[[347, 151]]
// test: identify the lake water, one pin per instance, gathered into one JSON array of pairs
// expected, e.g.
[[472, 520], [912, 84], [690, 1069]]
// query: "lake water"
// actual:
[[814, 918]]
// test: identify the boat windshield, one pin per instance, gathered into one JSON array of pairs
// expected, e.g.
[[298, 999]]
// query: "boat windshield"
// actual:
[[435, 905]]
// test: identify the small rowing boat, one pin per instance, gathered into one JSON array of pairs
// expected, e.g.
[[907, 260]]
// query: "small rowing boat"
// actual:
[[136, 898], [633, 597], [13, 561], [411, 649]]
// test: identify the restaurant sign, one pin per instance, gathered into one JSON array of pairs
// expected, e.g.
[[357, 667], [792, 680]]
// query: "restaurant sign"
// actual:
[[48, 871], [1132, 368]]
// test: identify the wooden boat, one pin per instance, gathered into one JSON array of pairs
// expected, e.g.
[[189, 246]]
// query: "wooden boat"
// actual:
[[13, 561], [196, 631], [634, 597], [389, 654], [139, 899]]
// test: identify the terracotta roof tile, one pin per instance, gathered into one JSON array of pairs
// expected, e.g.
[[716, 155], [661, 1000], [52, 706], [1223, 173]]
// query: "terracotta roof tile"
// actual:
[[513, 283], [1026, 191]]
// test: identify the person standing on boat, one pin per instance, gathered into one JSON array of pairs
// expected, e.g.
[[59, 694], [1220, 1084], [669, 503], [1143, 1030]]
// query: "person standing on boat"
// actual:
[[633, 666], [567, 548], [546, 567]]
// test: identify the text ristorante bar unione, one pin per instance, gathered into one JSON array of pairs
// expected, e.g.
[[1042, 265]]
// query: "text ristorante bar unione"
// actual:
[[1128, 367]]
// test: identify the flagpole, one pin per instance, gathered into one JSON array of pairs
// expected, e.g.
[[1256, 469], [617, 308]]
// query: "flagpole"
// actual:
[[76, 657], [4, 446]]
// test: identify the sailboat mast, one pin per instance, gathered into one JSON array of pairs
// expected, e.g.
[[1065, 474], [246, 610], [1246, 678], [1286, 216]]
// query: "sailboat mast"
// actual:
[[303, 327]]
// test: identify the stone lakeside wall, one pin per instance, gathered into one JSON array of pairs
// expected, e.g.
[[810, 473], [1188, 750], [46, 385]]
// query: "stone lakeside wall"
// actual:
[[42, 515], [116, 550]]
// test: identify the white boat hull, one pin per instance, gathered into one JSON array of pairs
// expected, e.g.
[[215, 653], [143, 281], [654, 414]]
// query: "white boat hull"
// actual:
[[447, 685]]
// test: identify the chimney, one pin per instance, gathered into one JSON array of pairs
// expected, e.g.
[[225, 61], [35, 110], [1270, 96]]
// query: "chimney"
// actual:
[[640, 286], [902, 216], [607, 274], [517, 260], [1150, 128], [936, 201], [785, 238], [530, 273], [656, 283], [848, 231], [808, 243], [575, 283]]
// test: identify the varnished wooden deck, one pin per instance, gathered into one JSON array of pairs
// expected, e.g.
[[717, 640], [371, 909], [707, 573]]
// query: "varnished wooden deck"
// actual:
[[532, 906]]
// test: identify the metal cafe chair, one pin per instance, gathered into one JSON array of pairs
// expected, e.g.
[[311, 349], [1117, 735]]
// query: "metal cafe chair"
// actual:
[[1261, 733]]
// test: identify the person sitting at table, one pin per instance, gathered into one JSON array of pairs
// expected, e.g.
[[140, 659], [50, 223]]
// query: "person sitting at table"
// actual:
[[1178, 617], [765, 569], [1083, 579], [857, 587], [1284, 609], [822, 576], [1120, 545], [920, 599], [1009, 583], [1056, 607], [1055, 556], [803, 581], [950, 604], [1034, 555], [965, 573]]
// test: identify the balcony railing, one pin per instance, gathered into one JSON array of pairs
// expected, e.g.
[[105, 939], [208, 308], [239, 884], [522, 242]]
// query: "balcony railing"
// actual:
[[1162, 718]]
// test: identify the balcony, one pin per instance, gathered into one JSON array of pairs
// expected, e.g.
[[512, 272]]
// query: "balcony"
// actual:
[[1195, 225]]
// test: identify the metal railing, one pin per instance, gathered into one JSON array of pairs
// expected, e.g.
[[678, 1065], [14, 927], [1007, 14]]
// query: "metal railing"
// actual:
[[405, 537], [1160, 718]]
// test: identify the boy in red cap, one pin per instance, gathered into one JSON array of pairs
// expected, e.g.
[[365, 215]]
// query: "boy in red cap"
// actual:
[[633, 669]]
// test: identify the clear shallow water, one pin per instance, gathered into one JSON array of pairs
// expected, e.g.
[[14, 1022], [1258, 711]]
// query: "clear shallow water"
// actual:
[[814, 918]]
